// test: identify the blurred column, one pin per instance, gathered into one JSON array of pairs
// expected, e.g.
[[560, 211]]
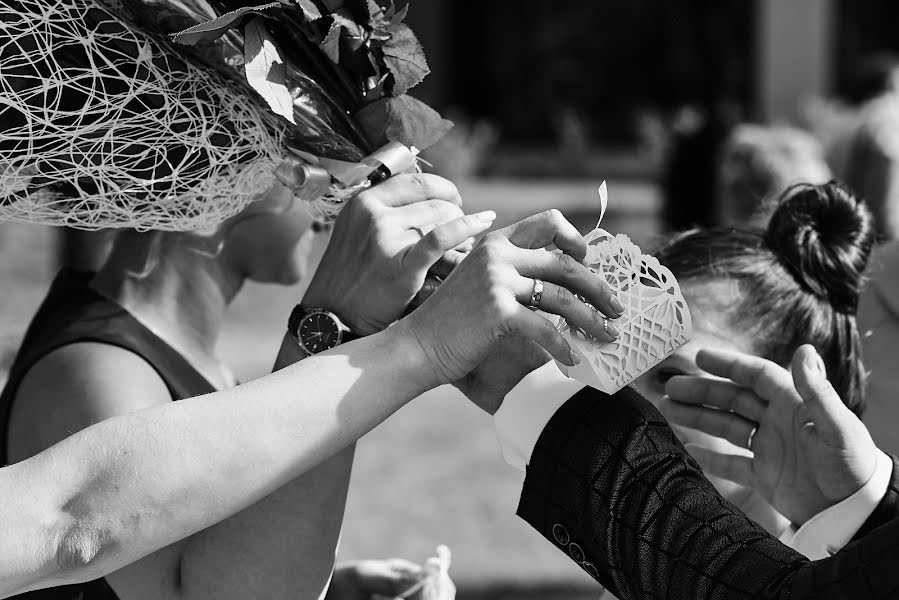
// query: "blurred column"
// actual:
[[795, 42]]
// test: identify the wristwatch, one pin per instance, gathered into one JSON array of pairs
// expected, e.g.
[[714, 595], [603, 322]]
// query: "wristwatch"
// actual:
[[318, 329]]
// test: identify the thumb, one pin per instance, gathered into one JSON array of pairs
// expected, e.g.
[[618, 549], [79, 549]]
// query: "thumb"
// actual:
[[822, 401]]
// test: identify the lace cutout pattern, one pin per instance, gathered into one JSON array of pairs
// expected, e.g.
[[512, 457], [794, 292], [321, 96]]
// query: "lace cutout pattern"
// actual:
[[656, 321]]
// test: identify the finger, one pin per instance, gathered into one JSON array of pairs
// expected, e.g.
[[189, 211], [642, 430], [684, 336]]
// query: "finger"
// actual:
[[733, 467], [446, 263], [824, 404], [565, 271], [532, 326], [408, 188], [426, 213], [466, 246], [768, 380], [559, 301], [431, 285], [718, 423], [547, 228], [444, 238], [723, 395]]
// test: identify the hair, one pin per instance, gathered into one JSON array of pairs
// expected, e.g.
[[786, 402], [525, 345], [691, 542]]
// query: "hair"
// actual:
[[799, 281]]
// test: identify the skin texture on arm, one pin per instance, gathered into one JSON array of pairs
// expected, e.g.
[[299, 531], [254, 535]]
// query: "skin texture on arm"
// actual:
[[129, 485]]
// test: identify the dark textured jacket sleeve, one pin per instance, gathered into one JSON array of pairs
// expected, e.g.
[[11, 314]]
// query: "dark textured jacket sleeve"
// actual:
[[888, 508], [610, 485]]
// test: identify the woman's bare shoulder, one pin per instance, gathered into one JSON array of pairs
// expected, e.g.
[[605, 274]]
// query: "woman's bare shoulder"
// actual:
[[74, 387]]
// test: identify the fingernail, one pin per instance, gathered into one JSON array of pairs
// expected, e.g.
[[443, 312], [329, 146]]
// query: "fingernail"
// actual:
[[617, 306], [815, 365], [487, 216], [612, 330], [819, 364], [575, 357]]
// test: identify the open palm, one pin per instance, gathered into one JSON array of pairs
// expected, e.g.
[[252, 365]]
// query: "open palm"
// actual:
[[809, 451]]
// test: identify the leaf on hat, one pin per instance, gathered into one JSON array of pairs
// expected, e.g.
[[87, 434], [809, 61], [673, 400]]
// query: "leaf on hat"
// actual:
[[345, 29], [405, 59], [216, 28], [402, 119], [310, 11], [265, 69]]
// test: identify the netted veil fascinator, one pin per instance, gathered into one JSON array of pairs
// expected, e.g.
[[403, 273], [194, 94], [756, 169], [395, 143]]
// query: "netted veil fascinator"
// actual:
[[107, 122]]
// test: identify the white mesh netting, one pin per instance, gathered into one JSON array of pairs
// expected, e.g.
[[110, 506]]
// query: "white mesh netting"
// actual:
[[103, 125]]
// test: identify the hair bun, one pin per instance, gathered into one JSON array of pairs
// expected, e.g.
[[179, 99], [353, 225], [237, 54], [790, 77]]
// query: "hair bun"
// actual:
[[823, 235]]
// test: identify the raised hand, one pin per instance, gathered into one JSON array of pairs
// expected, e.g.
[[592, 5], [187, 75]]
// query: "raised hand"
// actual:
[[483, 303], [384, 243], [809, 451]]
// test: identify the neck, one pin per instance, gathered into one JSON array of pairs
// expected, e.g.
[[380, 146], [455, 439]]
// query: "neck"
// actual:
[[180, 293]]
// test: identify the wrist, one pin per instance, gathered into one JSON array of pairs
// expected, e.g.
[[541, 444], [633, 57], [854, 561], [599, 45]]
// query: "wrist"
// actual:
[[321, 299], [402, 338]]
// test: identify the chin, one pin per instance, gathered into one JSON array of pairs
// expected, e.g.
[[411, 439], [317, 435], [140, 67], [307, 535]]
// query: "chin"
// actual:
[[291, 273]]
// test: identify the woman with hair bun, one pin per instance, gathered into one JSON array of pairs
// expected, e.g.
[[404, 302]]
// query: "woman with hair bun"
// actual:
[[767, 293]]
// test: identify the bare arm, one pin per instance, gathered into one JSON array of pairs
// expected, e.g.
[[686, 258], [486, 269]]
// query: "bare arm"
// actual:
[[119, 490], [289, 537], [123, 488]]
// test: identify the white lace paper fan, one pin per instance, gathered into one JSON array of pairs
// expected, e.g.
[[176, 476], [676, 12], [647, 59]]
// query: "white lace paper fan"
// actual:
[[655, 323]]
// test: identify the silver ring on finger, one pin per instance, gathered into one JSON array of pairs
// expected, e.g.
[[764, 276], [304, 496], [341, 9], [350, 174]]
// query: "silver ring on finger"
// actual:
[[536, 295], [751, 435]]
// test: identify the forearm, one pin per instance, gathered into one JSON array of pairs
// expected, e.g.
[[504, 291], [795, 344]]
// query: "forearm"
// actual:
[[133, 484]]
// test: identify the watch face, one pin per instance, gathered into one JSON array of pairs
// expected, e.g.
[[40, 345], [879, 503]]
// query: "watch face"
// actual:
[[319, 332]]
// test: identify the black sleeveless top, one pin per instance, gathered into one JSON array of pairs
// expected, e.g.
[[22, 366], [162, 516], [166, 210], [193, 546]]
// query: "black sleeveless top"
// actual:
[[74, 312]]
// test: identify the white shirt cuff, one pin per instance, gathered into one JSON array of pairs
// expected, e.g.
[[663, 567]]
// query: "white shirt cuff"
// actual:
[[831, 529], [528, 408]]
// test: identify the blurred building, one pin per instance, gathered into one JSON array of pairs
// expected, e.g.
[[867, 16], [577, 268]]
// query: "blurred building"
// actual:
[[534, 68]]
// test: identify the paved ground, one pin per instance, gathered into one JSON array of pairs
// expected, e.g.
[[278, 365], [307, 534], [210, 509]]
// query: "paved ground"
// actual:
[[432, 473]]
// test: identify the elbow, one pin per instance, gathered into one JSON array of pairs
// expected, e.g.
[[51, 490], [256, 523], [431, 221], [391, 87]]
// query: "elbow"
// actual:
[[81, 549]]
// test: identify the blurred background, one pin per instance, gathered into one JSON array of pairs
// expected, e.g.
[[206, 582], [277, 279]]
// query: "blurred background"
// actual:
[[690, 109]]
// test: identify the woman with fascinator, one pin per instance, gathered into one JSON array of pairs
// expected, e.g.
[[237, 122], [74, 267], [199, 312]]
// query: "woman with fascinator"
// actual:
[[160, 148]]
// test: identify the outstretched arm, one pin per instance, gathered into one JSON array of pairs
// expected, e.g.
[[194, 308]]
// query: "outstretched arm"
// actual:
[[130, 485], [123, 488]]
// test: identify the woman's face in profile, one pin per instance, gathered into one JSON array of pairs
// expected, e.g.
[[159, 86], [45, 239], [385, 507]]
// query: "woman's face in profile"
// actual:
[[271, 239]]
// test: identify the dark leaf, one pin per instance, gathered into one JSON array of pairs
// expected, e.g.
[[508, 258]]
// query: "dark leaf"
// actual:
[[405, 59], [375, 12], [399, 16], [402, 119], [331, 44], [353, 33], [216, 28], [332, 5], [310, 11], [342, 28]]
